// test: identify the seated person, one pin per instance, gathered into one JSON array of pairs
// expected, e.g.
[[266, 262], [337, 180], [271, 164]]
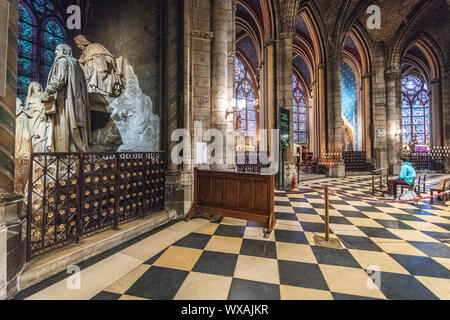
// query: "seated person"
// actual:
[[406, 177]]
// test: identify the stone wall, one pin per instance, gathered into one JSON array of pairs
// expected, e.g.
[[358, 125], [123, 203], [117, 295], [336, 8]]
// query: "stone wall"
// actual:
[[131, 29], [8, 106]]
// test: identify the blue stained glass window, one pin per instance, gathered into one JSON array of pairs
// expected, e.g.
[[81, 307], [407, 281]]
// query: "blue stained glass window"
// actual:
[[415, 109], [245, 96], [39, 33], [300, 112], [349, 101]]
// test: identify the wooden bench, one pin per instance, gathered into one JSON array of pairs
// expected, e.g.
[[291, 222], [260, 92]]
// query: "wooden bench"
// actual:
[[246, 196], [381, 185], [445, 186]]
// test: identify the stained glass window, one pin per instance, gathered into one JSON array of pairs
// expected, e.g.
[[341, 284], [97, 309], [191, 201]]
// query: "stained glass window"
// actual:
[[300, 112], [415, 110], [349, 101], [40, 31], [246, 99]]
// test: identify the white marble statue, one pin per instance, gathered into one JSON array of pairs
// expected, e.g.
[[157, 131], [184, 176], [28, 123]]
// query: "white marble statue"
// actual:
[[67, 87], [39, 123], [133, 115], [102, 74], [23, 132]]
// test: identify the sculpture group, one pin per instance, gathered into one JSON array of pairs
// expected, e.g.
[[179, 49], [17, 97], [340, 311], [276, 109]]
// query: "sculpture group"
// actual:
[[57, 118]]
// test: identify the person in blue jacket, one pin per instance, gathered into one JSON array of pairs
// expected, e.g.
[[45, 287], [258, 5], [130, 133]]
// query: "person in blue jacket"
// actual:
[[406, 177]]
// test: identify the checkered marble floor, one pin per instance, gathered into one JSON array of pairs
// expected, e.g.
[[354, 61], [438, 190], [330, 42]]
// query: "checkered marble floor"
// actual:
[[230, 259]]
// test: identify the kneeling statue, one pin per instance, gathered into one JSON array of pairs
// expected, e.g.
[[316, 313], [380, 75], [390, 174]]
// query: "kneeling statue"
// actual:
[[100, 68]]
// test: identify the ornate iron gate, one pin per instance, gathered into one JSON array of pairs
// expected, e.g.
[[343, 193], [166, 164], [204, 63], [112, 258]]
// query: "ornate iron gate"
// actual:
[[73, 195]]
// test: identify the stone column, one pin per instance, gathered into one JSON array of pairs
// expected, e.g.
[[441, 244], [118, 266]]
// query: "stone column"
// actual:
[[287, 92], [437, 116], [393, 115], [366, 98], [335, 121], [321, 112], [269, 91], [231, 120], [446, 109], [11, 213], [219, 72], [197, 83]]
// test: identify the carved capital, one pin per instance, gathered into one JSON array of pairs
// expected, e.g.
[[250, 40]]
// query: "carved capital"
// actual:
[[392, 74], [322, 66], [436, 81], [269, 43], [286, 35], [232, 55], [202, 34]]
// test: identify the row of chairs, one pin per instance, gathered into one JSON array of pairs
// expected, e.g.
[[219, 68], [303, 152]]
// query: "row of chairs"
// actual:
[[355, 161]]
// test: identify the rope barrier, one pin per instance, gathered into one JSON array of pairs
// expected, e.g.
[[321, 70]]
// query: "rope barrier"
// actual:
[[312, 190]]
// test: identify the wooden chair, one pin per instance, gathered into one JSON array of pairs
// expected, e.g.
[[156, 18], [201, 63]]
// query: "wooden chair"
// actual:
[[413, 187], [382, 175], [445, 186], [423, 183]]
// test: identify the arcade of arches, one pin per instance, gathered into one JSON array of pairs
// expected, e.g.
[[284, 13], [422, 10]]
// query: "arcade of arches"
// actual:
[[233, 65]]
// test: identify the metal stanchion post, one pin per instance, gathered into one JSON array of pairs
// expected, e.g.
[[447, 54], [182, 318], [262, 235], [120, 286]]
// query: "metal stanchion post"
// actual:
[[327, 215]]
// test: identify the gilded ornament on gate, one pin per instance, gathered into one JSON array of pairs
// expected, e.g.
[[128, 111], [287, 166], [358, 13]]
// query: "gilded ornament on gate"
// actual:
[[37, 218], [105, 178], [73, 195], [95, 204], [51, 229], [63, 183], [72, 210], [63, 197], [87, 193], [51, 200], [37, 234], [50, 215], [88, 180], [62, 212], [61, 227], [74, 182], [86, 206], [104, 190], [86, 219], [96, 179], [72, 223]]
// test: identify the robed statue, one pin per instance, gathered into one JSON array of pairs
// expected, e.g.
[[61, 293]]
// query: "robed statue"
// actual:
[[23, 132], [40, 124], [102, 74], [66, 100]]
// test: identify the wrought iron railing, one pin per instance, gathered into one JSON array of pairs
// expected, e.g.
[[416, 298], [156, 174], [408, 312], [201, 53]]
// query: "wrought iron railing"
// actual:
[[433, 160], [74, 195], [249, 162]]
